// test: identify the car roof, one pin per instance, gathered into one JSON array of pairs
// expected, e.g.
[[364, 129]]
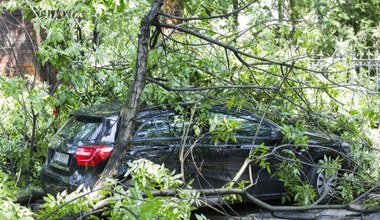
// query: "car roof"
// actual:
[[100, 110], [114, 108]]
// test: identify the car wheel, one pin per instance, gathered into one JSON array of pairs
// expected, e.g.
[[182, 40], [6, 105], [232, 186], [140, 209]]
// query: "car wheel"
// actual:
[[324, 186]]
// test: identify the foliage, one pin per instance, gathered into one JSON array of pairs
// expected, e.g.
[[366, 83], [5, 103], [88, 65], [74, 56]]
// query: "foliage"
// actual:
[[7, 187], [371, 203], [354, 173], [259, 155], [137, 202], [92, 44], [88, 73], [222, 129], [231, 198], [298, 190], [295, 134], [66, 204], [9, 209], [26, 124], [146, 177], [364, 176]]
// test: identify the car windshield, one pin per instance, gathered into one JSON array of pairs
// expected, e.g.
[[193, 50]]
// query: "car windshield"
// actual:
[[88, 129]]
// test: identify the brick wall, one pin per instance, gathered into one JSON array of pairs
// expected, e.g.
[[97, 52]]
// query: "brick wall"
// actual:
[[17, 46]]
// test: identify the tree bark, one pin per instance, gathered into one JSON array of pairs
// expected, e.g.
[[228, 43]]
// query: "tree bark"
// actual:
[[175, 8], [131, 106]]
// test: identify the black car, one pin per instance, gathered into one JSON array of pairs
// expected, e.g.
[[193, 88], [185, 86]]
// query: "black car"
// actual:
[[78, 152]]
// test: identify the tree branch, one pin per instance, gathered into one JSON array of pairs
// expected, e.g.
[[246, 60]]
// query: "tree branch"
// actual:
[[194, 89], [232, 48], [209, 17]]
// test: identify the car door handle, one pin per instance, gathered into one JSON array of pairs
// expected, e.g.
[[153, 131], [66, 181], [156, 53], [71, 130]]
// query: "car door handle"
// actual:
[[248, 146], [232, 146], [163, 147]]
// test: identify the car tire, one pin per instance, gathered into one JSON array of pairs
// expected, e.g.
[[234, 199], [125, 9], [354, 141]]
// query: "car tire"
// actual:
[[318, 180]]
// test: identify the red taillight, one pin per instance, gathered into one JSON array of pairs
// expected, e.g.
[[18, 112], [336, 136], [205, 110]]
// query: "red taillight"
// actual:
[[91, 155]]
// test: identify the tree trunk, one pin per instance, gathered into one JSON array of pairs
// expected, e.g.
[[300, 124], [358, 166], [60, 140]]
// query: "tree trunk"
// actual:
[[130, 109]]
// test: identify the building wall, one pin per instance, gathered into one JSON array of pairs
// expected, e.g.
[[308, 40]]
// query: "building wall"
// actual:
[[17, 46]]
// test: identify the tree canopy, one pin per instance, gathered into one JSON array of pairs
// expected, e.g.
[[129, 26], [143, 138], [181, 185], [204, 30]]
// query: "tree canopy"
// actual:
[[259, 55]]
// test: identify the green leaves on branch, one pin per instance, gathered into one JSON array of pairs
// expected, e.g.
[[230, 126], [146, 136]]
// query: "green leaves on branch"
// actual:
[[222, 129], [26, 124], [9, 209], [137, 202], [295, 134]]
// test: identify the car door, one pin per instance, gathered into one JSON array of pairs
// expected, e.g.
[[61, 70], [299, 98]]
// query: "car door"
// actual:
[[157, 141], [201, 159], [251, 131], [204, 163], [212, 164]]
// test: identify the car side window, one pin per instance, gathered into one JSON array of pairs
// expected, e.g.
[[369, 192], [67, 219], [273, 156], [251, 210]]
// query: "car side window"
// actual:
[[247, 125], [162, 126], [109, 131]]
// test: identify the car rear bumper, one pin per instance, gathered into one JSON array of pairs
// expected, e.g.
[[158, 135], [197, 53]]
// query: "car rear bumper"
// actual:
[[54, 182]]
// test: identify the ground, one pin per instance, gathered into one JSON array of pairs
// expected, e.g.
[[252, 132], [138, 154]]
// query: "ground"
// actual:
[[248, 211]]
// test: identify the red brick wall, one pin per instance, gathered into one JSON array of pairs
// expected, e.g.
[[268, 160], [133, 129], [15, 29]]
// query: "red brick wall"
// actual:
[[17, 46]]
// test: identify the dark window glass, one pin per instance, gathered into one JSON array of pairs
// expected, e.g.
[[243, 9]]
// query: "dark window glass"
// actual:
[[88, 129], [162, 126], [148, 130], [109, 131], [247, 125]]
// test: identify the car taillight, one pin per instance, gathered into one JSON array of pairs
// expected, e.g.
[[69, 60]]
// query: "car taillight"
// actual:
[[91, 155]]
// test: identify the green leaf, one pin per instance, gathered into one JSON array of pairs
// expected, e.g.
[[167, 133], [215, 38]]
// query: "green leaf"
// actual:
[[197, 130]]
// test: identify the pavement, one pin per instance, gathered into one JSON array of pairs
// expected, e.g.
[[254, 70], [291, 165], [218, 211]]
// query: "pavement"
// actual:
[[251, 212], [329, 214]]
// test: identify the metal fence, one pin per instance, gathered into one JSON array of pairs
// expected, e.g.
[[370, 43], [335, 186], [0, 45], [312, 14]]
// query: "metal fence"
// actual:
[[352, 69]]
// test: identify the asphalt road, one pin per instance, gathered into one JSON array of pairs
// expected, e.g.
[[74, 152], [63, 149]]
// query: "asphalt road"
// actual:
[[250, 212]]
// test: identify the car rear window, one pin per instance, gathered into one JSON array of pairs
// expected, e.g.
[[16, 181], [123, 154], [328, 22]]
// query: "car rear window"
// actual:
[[88, 129]]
